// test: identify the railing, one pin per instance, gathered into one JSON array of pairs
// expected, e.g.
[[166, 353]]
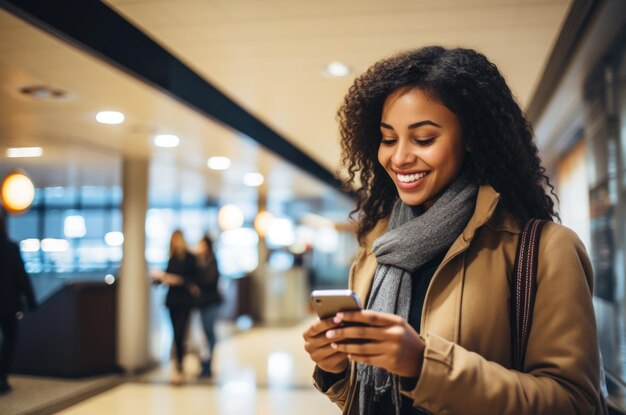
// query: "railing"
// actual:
[[72, 333]]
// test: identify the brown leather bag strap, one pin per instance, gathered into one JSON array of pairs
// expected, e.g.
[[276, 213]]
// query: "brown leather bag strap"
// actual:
[[524, 289]]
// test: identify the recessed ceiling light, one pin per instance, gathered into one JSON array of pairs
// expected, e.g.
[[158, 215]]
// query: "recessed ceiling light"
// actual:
[[110, 117], [337, 69], [24, 152], [166, 140], [218, 163], [43, 92], [253, 179]]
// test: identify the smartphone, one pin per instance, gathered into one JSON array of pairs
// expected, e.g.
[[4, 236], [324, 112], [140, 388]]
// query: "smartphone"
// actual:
[[327, 303]]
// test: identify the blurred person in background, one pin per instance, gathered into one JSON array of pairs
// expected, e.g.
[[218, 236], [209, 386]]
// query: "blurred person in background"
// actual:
[[210, 297], [182, 296], [15, 292]]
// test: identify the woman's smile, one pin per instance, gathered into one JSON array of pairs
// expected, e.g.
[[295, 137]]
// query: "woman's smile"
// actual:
[[410, 181]]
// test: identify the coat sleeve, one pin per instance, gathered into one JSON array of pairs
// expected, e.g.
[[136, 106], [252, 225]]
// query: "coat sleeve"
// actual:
[[333, 386], [561, 373]]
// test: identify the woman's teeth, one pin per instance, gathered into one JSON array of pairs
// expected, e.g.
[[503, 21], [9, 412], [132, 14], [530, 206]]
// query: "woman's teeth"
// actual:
[[407, 178]]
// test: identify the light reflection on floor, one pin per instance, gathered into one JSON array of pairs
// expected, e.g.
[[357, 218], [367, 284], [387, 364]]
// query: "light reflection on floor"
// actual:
[[263, 371]]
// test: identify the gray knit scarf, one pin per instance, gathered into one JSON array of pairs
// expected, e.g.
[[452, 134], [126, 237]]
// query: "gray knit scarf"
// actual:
[[413, 238]]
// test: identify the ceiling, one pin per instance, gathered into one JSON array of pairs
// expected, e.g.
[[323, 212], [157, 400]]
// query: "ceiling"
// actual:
[[266, 55]]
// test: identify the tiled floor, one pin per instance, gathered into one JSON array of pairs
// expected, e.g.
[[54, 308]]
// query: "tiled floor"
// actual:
[[262, 371]]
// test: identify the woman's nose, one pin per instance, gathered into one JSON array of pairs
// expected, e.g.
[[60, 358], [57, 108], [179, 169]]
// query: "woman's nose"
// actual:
[[403, 154]]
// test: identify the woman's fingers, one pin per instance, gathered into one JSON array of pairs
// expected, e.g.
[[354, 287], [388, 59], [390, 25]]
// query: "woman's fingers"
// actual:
[[315, 336], [363, 333], [327, 353], [365, 349], [369, 317], [335, 363], [318, 327]]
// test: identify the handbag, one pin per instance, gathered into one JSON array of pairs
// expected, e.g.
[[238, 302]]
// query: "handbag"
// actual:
[[523, 292]]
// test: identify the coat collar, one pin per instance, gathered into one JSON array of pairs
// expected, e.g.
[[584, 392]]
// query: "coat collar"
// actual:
[[486, 203]]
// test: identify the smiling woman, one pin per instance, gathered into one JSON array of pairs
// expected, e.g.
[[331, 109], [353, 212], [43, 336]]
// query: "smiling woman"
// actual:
[[450, 176]]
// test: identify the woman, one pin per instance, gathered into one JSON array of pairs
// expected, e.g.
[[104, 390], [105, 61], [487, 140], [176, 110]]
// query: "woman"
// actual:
[[210, 297], [449, 174], [182, 295]]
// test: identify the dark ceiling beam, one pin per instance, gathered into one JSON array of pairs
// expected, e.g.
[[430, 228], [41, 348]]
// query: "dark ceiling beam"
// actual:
[[98, 30]]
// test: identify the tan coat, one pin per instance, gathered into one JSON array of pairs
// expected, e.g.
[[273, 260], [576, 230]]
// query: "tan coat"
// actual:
[[465, 322]]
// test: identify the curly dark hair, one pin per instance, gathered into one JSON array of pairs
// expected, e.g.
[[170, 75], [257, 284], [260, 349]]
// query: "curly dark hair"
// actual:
[[499, 138]]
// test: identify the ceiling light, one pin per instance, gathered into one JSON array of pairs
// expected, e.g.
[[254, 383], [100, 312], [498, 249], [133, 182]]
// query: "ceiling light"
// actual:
[[230, 217], [43, 92], [18, 192], [24, 152], [54, 245], [74, 226], [166, 140], [253, 179], [110, 117], [114, 238], [218, 163], [29, 245], [337, 69], [262, 222]]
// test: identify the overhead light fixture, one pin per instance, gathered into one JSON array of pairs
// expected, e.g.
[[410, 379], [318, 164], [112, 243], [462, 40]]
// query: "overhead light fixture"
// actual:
[[166, 140], [43, 92], [253, 179], [230, 217], [281, 232], [262, 222], [74, 226], [114, 238], [30, 245], [16, 152], [18, 192], [54, 245], [110, 117], [218, 163], [337, 69]]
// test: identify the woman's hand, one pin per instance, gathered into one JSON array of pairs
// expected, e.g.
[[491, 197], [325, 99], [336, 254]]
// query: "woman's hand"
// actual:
[[167, 278], [393, 344], [194, 290], [318, 347]]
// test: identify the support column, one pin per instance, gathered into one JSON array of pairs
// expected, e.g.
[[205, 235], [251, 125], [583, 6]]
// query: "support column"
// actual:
[[259, 277], [133, 296]]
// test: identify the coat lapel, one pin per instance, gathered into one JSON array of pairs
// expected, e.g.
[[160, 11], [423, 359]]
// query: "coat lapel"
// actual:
[[445, 291]]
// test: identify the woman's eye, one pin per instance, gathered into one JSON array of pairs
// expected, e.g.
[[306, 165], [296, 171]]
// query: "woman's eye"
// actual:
[[425, 141], [387, 141]]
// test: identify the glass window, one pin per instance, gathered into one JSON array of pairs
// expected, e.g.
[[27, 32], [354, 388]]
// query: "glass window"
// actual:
[[23, 226]]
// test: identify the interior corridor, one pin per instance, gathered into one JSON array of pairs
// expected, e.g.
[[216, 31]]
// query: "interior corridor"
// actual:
[[261, 371]]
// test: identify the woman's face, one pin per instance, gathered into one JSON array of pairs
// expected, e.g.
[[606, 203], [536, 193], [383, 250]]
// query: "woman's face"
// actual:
[[421, 146], [203, 249], [178, 243]]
